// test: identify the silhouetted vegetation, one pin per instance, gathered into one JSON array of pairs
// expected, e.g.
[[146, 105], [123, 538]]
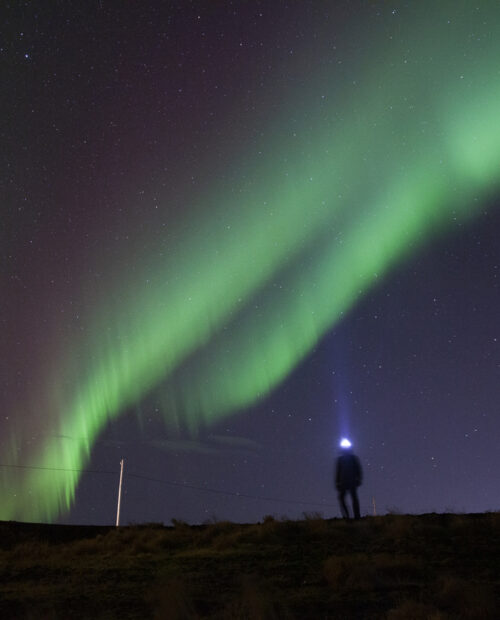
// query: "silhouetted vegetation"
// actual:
[[429, 567]]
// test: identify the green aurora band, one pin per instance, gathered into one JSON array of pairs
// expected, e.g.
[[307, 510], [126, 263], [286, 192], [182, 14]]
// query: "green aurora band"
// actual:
[[265, 270]]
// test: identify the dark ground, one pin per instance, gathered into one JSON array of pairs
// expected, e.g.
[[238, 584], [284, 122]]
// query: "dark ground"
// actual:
[[435, 566]]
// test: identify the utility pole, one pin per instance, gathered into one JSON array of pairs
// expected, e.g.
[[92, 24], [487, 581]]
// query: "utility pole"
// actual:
[[374, 507], [119, 495]]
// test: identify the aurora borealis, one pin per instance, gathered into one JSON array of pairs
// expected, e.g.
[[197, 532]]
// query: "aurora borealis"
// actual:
[[210, 195]]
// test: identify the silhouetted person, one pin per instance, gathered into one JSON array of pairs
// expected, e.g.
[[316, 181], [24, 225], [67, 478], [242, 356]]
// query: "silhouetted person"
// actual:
[[348, 477]]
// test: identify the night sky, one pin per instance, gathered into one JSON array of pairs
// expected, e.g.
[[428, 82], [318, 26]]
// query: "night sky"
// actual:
[[234, 232]]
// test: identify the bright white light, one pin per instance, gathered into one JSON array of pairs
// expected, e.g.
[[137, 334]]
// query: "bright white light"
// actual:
[[345, 443]]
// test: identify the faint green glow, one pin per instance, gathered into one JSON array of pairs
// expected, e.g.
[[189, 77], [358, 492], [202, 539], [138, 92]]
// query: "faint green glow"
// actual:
[[278, 255]]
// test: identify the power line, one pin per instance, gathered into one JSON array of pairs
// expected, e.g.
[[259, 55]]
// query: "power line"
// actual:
[[80, 471], [177, 484], [231, 493]]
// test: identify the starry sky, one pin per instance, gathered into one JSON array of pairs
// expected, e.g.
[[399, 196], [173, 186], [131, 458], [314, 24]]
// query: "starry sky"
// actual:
[[235, 232]]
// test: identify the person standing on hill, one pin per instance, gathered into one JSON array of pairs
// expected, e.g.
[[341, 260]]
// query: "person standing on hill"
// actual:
[[348, 477]]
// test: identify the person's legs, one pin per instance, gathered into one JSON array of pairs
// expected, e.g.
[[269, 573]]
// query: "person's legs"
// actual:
[[355, 502], [343, 505]]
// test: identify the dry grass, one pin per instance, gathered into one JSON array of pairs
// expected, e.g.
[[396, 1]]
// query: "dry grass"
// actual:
[[415, 610], [437, 567], [465, 599], [173, 600], [363, 571]]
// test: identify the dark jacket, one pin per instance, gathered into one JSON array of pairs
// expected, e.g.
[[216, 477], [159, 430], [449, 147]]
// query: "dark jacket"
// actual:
[[348, 472]]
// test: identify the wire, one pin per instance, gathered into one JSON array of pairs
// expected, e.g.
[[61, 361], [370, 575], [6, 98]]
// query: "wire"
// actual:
[[80, 471], [231, 493], [176, 484]]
